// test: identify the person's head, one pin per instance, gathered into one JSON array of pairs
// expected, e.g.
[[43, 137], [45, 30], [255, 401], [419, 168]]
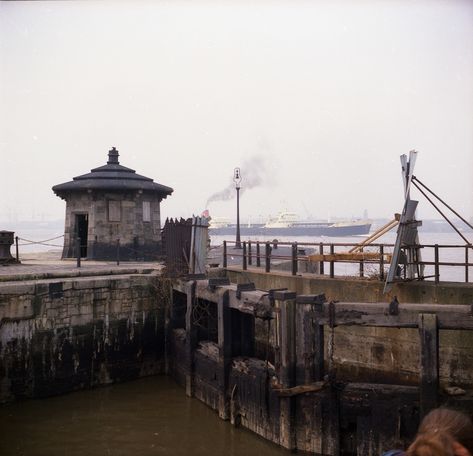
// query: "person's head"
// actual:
[[443, 432]]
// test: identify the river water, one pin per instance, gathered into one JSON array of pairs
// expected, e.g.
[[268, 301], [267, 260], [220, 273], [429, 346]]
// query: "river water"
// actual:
[[150, 416]]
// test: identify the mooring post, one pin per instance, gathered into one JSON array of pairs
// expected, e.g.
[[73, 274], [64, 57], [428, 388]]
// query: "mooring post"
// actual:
[[258, 257], [429, 362], [224, 254], [250, 260], [78, 251], [224, 353], [191, 338], [286, 302]]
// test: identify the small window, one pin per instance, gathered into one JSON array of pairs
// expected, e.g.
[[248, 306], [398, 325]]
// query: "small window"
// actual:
[[146, 211], [114, 211]]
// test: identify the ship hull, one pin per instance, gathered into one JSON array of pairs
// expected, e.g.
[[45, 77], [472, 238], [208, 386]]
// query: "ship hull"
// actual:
[[320, 229]]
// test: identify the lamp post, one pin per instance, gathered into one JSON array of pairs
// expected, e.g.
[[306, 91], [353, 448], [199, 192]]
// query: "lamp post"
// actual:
[[237, 180]]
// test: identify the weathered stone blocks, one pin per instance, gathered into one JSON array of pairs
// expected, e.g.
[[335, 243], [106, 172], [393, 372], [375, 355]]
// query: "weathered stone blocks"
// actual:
[[79, 333]]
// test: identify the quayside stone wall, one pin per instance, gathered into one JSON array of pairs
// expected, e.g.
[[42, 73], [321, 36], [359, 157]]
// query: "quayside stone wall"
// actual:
[[61, 335]]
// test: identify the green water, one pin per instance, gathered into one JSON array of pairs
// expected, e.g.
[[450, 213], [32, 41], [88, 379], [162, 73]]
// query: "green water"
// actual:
[[151, 416]]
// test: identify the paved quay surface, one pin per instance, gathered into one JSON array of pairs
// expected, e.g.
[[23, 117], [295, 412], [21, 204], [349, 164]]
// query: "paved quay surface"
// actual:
[[45, 265]]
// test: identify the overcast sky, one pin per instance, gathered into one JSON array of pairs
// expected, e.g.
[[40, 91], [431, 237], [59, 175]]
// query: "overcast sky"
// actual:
[[314, 100]]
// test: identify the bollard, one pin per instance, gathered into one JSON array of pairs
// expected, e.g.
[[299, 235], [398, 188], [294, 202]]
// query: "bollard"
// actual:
[[18, 251], [250, 260], [258, 257]]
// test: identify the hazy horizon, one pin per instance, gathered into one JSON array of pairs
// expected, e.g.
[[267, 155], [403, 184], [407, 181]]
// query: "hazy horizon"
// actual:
[[314, 100]]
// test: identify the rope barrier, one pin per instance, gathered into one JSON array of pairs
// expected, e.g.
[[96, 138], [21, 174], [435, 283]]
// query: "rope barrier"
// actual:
[[40, 242], [44, 242]]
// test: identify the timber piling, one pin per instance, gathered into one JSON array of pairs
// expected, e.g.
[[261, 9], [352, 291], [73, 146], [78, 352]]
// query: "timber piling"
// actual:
[[272, 366]]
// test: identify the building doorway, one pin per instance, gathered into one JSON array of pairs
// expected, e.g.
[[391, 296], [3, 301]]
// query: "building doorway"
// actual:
[[82, 228]]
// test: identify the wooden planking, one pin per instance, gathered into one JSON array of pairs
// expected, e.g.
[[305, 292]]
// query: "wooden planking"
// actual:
[[224, 354], [449, 316], [300, 389], [191, 340], [429, 362], [286, 301], [358, 256]]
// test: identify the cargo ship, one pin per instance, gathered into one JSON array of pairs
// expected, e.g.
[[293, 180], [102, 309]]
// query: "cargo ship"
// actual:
[[289, 224]]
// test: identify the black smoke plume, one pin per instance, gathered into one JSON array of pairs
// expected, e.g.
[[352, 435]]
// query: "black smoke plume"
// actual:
[[253, 173]]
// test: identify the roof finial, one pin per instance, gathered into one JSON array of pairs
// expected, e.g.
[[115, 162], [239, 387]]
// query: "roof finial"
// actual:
[[113, 157]]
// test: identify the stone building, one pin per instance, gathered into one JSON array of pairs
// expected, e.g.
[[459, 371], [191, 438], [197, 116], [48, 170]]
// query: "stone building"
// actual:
[[112, 208]]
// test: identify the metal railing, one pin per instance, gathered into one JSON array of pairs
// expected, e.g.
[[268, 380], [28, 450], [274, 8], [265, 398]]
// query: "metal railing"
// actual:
[[372, 261]]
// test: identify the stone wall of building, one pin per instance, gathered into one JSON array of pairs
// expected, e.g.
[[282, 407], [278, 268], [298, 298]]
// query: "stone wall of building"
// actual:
[[139, 239], [63, 335]]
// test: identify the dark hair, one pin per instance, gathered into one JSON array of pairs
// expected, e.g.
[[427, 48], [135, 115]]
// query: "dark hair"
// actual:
[[438, 432]]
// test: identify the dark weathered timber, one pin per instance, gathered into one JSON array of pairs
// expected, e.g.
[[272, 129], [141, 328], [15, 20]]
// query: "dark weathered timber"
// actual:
[[333, 430], [429, 362], [362, 389], [244, 287], [285, 396], [287, 329], [305, 348], [364, 435], [319, 370], [311, 299], [300, 389], [224, 354], [191, 339], [450, 316], [213, 283]]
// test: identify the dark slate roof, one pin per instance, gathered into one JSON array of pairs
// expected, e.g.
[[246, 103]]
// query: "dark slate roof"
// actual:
[[112, 177]]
